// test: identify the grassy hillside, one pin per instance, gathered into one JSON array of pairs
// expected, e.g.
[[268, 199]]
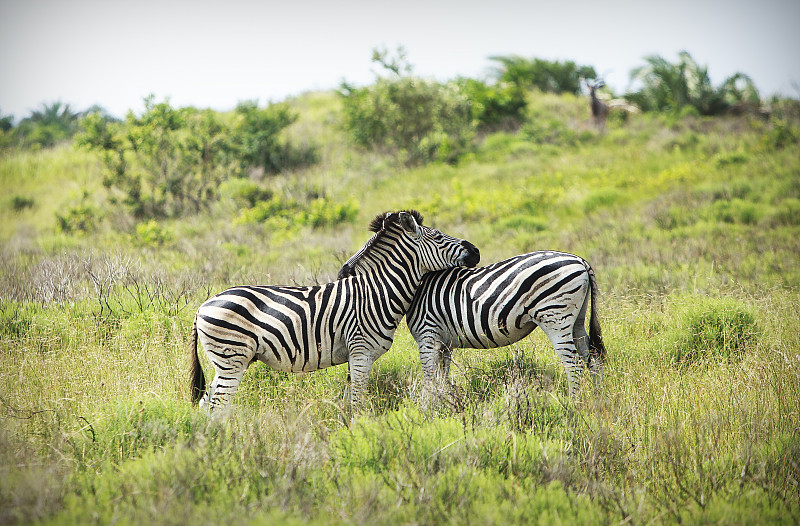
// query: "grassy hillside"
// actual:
[[692, 226]]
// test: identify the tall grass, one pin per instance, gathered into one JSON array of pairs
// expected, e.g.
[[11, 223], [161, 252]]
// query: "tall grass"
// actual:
[[691, 227]]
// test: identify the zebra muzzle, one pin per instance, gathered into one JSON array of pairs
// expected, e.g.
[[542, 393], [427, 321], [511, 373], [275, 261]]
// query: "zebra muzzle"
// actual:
[[472, 256]]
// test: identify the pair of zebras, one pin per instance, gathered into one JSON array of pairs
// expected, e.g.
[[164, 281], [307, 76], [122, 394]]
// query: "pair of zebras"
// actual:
[[353, 319]]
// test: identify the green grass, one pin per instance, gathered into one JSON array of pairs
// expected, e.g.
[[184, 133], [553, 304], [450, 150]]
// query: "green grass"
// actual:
[[692, 226]]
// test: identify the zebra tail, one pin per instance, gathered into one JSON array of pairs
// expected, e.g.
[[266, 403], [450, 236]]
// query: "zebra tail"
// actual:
[[198, 385], [596, 346]]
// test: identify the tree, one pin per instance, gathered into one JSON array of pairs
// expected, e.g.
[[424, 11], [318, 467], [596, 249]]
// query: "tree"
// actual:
[[547, 76], [256, 136], [417, 119], [49, 125], [494, 105], [672, 87], [171, 161], [6, 122]]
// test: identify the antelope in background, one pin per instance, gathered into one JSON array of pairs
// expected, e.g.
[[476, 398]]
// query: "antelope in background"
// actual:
[[601, 108]]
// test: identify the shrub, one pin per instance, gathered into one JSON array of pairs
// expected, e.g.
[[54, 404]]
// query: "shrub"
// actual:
[[318, 212], [730, 158], [20, 203], [685, 88], [245, 192], [270, 208], [171, 161], [257, 142], [498, 105], [547, 76], [137, 427], [45, 127], [152, 234], [80, 218], [780, 134], [712, 329], [419, 120], [165, 162], [550, 131], [523, 222], [787, 213], [323, 212], [736, 211]]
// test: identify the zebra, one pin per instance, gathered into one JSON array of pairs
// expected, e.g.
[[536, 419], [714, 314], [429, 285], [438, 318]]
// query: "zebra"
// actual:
[[299, 329], [499, 304]]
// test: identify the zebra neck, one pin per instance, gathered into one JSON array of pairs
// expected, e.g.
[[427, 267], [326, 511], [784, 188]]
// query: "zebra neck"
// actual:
[[391, 256], [394, 281]]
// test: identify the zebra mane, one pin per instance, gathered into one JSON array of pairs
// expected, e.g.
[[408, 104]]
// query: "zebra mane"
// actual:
[[381, 221], [380, 225]]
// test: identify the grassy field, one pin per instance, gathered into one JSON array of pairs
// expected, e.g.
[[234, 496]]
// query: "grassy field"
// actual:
[[692, 226]]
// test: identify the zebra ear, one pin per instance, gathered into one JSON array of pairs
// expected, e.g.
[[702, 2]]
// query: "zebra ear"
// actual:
[[408, 222], [345, 272]]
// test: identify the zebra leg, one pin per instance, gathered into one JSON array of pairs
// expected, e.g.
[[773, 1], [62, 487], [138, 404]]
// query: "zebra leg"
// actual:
[[435, 359], [582, 344], [581, 337], [564, 345], [222, 389], [583, 341], [229, 367], [360, 367], [446, 356]]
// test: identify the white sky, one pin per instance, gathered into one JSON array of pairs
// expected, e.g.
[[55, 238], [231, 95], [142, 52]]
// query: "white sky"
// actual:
[[218, 53]]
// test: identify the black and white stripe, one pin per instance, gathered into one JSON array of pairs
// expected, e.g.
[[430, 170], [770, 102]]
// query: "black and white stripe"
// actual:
[[299, 329], [500, 304]]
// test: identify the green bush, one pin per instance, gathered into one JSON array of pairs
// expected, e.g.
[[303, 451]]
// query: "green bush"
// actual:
[[135, 427], [256, 137], [270, 208], [684, 88], [245, 192], [523, 222], [550, 131], [166, 162], [730, 159], [547, 76], [736, 211], [20, 203], [319, 212], [499, 105], [419, 120], [323, 212], [779, 135], [152, 234], [81, 218], [711, 330], [787, 213], [52, 124], [171, 161]]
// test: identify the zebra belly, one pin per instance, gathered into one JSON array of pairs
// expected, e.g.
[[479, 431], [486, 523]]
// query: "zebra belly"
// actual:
[[317, 355], [486, 338]]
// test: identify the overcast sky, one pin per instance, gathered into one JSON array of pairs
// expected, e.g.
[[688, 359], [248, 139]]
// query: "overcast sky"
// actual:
[[216, 54]]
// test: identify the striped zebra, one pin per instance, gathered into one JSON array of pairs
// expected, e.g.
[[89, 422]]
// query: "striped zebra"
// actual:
[[299, 329], [499, 304]]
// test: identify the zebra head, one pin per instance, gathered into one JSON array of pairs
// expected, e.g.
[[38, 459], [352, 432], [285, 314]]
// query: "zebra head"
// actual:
[[419, 246]]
